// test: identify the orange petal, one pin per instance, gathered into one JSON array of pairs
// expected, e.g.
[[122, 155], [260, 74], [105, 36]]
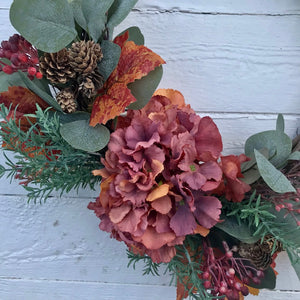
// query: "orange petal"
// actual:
[[201, 230], [154, 240], [102, 172], [112, 104], [175, 96], [163, 205], [158, 192]]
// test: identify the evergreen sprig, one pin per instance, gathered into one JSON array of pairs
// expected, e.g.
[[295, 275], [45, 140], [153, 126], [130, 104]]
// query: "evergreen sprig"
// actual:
[[43, 159], [260, 215]]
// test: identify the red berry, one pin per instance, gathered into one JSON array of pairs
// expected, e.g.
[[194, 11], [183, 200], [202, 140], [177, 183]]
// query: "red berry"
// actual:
[[205, 275], [278, 208], [246, 280], [297, 199], [223, 290], [39, 75], [8, 54], [231, 271], [244, 291], [260, 274], [23, 58], [229, 254], [15, 59], [7, 69], [207, 284], [35, 60], [31, 71], [237, 286], [256, 280], [298, 223]]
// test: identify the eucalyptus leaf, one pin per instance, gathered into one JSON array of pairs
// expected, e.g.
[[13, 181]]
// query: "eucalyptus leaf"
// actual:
[[80, 135], [119, 11], [135, 35], [277, 142], [250, 176], [280, 123], [144, 88], [111, 55], [241, 231], [94, 12], [37, 90], [273, 177], [76, 116], [295, 156], [13, 79], [48, 25], [78, 13], [295, 261]]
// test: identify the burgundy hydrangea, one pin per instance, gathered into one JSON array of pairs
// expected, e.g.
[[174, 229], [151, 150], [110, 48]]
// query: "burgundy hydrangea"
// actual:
[[159, 174]]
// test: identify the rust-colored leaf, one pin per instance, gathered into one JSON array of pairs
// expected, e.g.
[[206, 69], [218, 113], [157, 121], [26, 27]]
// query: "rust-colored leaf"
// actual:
[[135, 62], [175, 96], [23, 98], [112, 104]]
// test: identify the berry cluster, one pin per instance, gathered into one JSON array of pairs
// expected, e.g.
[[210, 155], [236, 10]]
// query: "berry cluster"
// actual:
[[290, 202], [22, 55], [227, 275]]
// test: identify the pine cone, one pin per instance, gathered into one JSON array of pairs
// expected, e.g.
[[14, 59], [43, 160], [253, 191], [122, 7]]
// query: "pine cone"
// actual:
[[84, 56], [56, 68], [66, 99], [90, 83]]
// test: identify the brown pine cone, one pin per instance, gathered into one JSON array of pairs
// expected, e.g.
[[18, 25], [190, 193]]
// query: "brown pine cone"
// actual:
[[66, 100], [90, 83], [55, 67], [84, 56]]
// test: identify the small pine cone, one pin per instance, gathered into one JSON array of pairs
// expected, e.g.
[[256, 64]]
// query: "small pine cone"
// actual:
[[84, 56], [66, 100], [56, 68], [89, 84]]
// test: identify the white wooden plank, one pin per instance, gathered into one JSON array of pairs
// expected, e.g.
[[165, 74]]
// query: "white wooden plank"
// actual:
[[20, 289], [214, 6]]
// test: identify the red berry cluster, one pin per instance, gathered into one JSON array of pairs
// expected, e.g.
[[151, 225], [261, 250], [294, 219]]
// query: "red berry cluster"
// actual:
[[228, 275], [290, 202], [22, 55]]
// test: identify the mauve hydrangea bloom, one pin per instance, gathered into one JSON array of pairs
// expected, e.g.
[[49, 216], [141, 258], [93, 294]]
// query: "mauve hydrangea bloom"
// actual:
[[159, 174]]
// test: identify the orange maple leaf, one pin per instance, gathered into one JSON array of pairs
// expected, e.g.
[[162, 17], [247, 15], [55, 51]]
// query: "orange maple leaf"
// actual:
[[135, 62]]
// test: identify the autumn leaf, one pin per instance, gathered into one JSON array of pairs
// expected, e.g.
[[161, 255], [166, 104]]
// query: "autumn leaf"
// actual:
[[22, 101], [135, 62], [23, 98]]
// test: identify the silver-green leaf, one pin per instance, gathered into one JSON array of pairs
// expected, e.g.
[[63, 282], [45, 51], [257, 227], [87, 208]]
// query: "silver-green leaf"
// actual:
[[273, 177], [48, 25], [80, 135]]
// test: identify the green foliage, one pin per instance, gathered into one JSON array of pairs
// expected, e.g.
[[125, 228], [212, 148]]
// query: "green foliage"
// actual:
[[150, 267], [111, 55], [31, 85], [277, 142], [10, 80], [49, 25], [135, 35], [80, 135], [263, 219], [43, 159], [272, 177], [118, 12], [295, 156], [239, 230], [280, 123], [2, 171], [94, 12], [144, 88]]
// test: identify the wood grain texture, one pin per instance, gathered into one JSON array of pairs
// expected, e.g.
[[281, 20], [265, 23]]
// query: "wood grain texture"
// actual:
[[237, 61]]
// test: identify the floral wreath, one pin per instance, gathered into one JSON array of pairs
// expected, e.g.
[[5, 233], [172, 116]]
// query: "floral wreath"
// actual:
[[80, 109]]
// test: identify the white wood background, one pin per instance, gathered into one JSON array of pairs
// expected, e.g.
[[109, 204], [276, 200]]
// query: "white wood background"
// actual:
[[237, 61]]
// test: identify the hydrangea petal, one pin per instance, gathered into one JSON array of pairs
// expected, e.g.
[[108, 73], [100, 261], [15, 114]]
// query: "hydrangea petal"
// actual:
[[183, 222], [158, 192], [208, 210], [162, 205]]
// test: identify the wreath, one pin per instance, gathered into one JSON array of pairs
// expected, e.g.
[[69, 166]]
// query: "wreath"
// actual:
[[80, 109]]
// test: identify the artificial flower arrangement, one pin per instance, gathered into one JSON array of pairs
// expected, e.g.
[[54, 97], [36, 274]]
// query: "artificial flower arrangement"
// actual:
[[80, 109]]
